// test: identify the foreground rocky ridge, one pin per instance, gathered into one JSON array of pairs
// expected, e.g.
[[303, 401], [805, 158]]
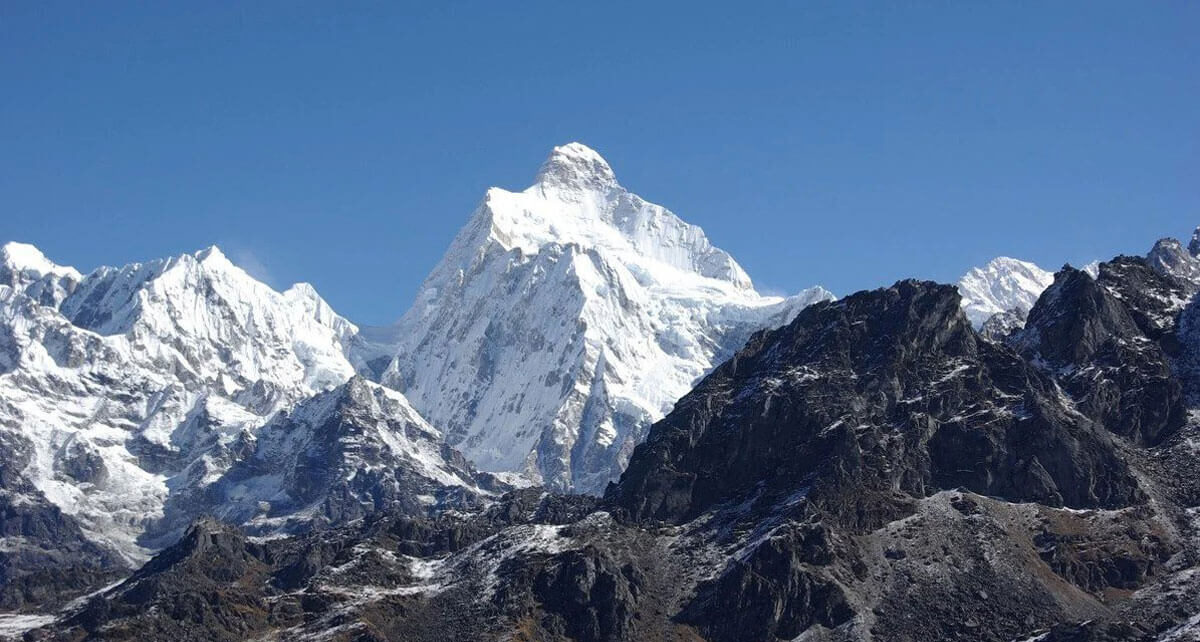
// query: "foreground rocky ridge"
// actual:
[[875, 470]]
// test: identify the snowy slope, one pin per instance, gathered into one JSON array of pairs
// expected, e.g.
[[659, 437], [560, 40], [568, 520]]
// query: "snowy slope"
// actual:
[[1003, 285], [132, 387], [24, 268], [565, 318]]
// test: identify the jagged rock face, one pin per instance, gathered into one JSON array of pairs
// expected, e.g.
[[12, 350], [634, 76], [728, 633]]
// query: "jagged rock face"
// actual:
[[205, 587], [45, 558], [215, 584], [962, 567], [589, 596], [1168, 257], [566, 318], [342, 455], [1075, 319], [1103, 340], [1002, 325], [882, 391], [778, 592]]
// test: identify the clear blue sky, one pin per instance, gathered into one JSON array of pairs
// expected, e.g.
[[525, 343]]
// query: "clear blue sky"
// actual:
[[841, 143]]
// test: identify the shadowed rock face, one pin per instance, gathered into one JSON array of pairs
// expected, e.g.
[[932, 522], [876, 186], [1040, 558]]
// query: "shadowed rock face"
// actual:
[[1107, 342], [777, 593], [340, 456], [207, 586], [883, 391], [45, 559], [589, 595]]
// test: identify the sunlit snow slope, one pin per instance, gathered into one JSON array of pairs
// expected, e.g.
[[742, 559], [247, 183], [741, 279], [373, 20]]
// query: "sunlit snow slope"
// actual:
[[565, 318], [1003, 285], [127, 393]]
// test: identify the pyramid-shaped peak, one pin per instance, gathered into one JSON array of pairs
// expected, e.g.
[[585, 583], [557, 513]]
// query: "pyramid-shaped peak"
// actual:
[[576, 165], [210, 253]]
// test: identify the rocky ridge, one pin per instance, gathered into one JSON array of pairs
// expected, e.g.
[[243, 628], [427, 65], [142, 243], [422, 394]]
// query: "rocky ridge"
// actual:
[[874, 470]]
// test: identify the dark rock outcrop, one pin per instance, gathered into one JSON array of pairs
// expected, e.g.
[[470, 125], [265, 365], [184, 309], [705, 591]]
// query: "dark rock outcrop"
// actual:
[[1103, 340], [777, 592], [862, 401], [590, 598]]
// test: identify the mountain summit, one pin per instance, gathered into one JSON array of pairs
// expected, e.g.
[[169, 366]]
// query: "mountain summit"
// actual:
[[567, 317], [576, 165], [1004, 285]]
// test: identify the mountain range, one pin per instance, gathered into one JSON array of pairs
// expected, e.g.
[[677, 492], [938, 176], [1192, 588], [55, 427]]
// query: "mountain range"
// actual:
[[590, 425]]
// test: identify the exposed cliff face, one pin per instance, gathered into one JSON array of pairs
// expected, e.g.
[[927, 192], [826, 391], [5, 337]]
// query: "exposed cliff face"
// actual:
[[340, 456], [46, 559], [881, 391], [1168, 257], [1106, 340]]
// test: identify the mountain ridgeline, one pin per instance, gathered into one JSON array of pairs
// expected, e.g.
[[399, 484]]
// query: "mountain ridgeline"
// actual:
[[876, 469], [664, 455]]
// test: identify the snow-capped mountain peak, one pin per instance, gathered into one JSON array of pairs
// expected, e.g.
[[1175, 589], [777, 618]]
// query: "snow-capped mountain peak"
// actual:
[[27, 258], [565, 318], [207, 314], [305, 297], [1004, 284], [575, 166], [23, 267], [576, 200], [132, 389], [1194, 245]]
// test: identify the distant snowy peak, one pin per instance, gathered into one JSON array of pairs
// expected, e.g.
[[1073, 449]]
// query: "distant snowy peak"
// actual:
[[304, 298], [130, 390], [577, 200], [27, 259], [217, 320], [1002, 285], [23, 267], [1194, 246]]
